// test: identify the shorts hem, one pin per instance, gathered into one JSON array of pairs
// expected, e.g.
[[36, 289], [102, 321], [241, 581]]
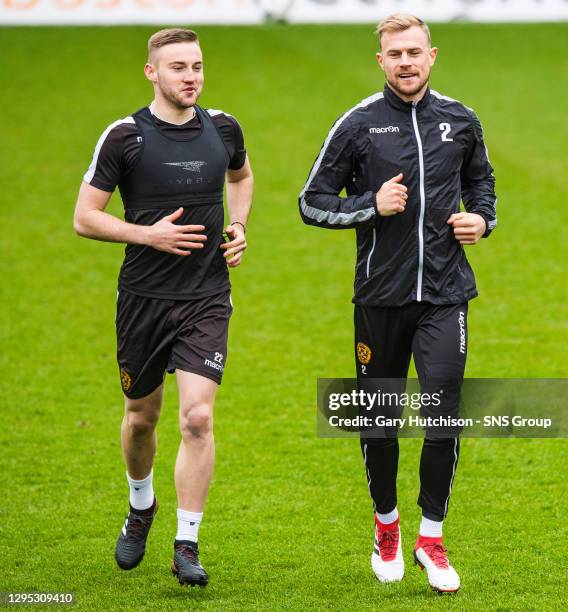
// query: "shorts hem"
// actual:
[[198, 371], [139, 395]]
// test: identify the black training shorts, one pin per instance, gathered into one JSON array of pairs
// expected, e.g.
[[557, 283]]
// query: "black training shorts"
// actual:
[[154, 335]]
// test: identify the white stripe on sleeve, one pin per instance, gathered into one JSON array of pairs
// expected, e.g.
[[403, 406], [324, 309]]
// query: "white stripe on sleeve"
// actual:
[[213, 112], [334, 218], [91, 171]]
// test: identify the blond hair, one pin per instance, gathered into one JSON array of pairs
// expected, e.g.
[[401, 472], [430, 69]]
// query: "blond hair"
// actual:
[[400, 22], [169, 36]]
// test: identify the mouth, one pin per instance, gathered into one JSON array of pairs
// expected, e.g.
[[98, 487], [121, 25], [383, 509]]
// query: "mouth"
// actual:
[[405, 76], [189, 90]]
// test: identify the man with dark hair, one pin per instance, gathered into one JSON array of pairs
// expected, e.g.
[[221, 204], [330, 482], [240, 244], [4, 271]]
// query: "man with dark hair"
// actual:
[[170, 161], [406, 157]]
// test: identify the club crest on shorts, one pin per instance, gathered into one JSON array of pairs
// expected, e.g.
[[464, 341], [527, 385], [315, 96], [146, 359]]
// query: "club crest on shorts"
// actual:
[[125, 379], [364, 353]]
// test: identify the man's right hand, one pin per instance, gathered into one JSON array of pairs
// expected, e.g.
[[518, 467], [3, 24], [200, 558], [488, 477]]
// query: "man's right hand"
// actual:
[[166, 236], [391, 197]]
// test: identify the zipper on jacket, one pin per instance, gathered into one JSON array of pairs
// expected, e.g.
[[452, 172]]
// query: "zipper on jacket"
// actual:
[[422, 207], [372, 249]]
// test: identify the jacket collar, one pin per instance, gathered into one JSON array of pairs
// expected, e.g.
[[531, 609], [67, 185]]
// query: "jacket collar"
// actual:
[[400, 104]]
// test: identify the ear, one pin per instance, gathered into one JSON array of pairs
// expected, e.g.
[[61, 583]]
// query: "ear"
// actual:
[[150, 72], [380, 60], [433, 55]]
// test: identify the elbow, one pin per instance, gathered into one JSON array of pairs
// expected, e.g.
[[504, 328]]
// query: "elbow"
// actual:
[[301, 203], [79, 227], [302, 207]]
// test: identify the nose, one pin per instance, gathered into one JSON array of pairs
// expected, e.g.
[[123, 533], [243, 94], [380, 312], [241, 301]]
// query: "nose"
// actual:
[[405, 59], [189, 76]]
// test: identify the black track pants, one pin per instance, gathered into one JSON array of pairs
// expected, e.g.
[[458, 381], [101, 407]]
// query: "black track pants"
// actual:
[[385, 340]]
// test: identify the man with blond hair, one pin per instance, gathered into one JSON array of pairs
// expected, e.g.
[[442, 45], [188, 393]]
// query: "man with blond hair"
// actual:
[[406, 157], [170, 161]]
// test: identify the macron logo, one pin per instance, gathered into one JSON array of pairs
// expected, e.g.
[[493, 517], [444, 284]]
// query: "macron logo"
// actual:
[[461, 321], [384, 130]]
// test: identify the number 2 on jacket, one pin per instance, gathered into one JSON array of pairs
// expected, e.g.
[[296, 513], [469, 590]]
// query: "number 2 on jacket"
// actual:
[[446, 128]]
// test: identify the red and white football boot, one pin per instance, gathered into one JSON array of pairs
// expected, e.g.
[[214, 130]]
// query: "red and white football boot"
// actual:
[[430, 553], [386, 560]]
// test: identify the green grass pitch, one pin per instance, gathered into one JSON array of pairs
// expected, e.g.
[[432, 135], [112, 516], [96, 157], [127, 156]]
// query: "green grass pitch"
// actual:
[[288, 524]]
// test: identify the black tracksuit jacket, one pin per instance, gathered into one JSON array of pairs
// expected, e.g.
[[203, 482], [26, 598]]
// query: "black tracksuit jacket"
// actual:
[[437, 144]]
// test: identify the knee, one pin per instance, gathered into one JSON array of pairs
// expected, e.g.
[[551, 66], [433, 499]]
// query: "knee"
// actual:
[[196, 420], [140, 424]]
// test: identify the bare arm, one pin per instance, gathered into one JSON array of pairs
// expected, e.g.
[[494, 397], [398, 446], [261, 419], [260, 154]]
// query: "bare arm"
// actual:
[[239, 202], [91, 221]]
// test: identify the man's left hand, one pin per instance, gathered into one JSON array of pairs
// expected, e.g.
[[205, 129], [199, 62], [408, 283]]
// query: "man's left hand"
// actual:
[[468, 227], [236, 247]]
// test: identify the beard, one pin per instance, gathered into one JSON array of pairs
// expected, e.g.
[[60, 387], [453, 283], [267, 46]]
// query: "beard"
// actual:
[[177, 100], [408, 92]]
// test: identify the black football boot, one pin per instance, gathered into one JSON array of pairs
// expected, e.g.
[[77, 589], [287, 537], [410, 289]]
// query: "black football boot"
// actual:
[[186, 566], [131, 544]]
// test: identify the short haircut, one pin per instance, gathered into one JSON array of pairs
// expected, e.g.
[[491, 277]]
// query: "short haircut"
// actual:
[[170, 36], [400, 22]]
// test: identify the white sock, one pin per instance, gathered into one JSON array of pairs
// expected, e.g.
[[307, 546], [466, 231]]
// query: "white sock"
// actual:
[[188, 525], [390, 517], [141, 491], [431, 529]]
